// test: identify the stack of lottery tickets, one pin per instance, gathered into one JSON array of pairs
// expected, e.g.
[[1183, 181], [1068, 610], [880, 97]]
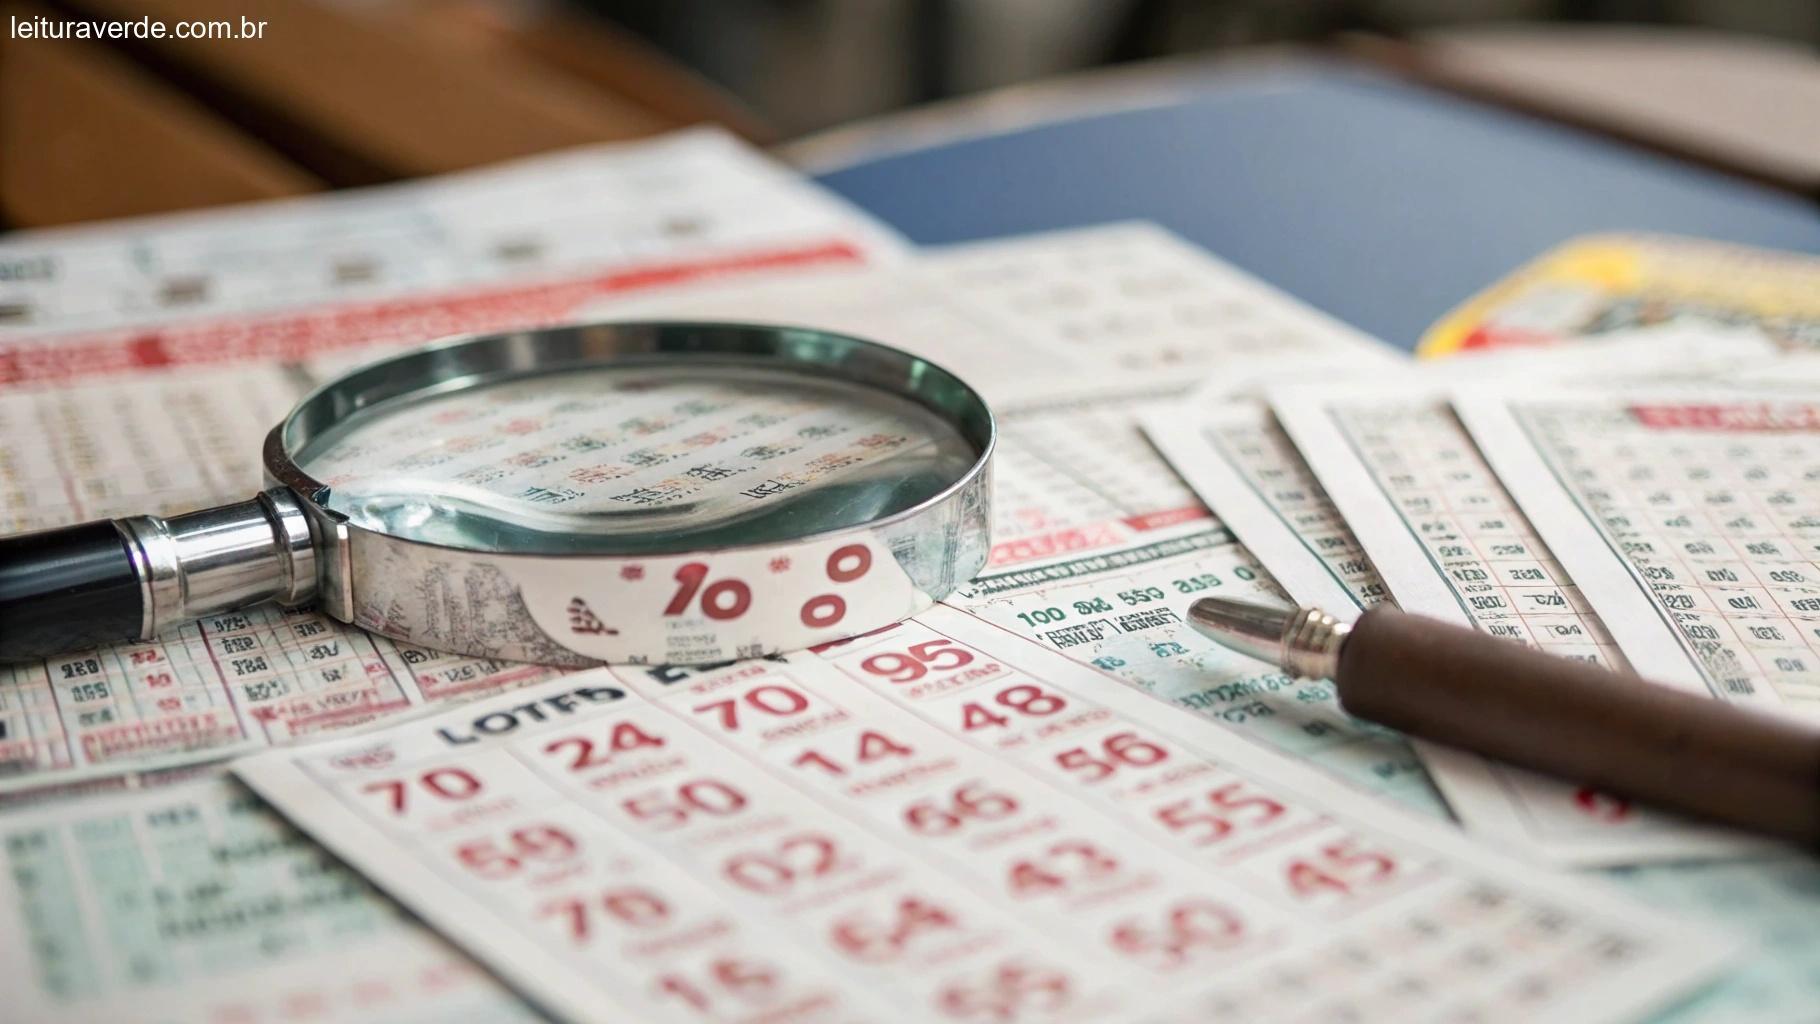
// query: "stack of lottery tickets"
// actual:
[[1043, 800]]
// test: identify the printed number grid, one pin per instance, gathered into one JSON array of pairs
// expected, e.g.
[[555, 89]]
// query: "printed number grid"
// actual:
[[1504, 578], [1077, 478], [1357, 891], [1493, 570], [1125, 624], [120, 450], [1080, 476], [247, 678], [149, 873], [136, 899], [1268, 461], [127, 448], [679, 829], [1137, 299], [1717, 528], [880, 827]]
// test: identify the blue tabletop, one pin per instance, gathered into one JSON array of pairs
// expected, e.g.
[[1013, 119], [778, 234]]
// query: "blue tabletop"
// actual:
[[1380, 202]]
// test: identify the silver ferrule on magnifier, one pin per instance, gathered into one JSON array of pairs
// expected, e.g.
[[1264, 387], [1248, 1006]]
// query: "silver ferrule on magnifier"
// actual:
[[217, 559]]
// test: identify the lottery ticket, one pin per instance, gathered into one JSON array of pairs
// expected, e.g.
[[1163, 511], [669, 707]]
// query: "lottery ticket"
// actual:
[[1237, 454], [1075, 480], [1238, 457], [1123, 615], [1452, 545], [941, 821], [1591, 288], [160, 443], [1683, 515], [1083, 311], [529, 241], [195, 904], [1231, 449]]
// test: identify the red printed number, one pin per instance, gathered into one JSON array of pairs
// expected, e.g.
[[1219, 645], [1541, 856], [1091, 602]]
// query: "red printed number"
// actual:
[[1023, 699], [664, 810], [633, 907], [441, 783], [918, 661], [845, 565], [872, 746], [970, 801], [866, 938], [1011, 991], [776, 701], [1125, 749], [727, 599], [1340, 869], [586, 753], [721, 600], [536, 843], [737, 980], [1063, 866], [1186, 930], [779, 870], [1219, 813]]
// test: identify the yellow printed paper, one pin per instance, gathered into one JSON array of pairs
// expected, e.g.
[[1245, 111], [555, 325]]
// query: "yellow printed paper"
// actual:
[[1600, 284]]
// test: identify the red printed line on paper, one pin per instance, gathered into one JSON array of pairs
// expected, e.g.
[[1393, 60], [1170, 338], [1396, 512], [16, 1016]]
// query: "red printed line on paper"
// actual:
[[325, 719], [1756, 416], [297, 334], [1058, 542], [1486, 337], [172, 732], [1166, 517]]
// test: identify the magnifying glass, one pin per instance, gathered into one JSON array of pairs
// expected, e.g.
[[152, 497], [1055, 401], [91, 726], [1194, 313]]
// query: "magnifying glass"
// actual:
[[674, 493]]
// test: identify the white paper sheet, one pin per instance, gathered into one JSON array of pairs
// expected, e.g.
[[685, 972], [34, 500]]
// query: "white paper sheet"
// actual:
[[1310, 520], [1685, 517], [940, 821], [1083, 312], [529, 240], [1452, 545]]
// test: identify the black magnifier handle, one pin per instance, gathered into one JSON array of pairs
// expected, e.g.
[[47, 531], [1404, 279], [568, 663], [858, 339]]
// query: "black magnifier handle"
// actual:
[[111, 580], [67, 589]]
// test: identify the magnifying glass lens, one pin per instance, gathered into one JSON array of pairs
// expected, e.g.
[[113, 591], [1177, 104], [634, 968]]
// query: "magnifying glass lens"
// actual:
[[635, 460], [641, 493]]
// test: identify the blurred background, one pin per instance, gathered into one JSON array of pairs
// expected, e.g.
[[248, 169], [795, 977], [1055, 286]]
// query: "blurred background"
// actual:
[[809, 64], [340, 93]]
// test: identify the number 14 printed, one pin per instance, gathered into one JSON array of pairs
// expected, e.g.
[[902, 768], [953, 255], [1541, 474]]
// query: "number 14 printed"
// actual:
[[938, 821]]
